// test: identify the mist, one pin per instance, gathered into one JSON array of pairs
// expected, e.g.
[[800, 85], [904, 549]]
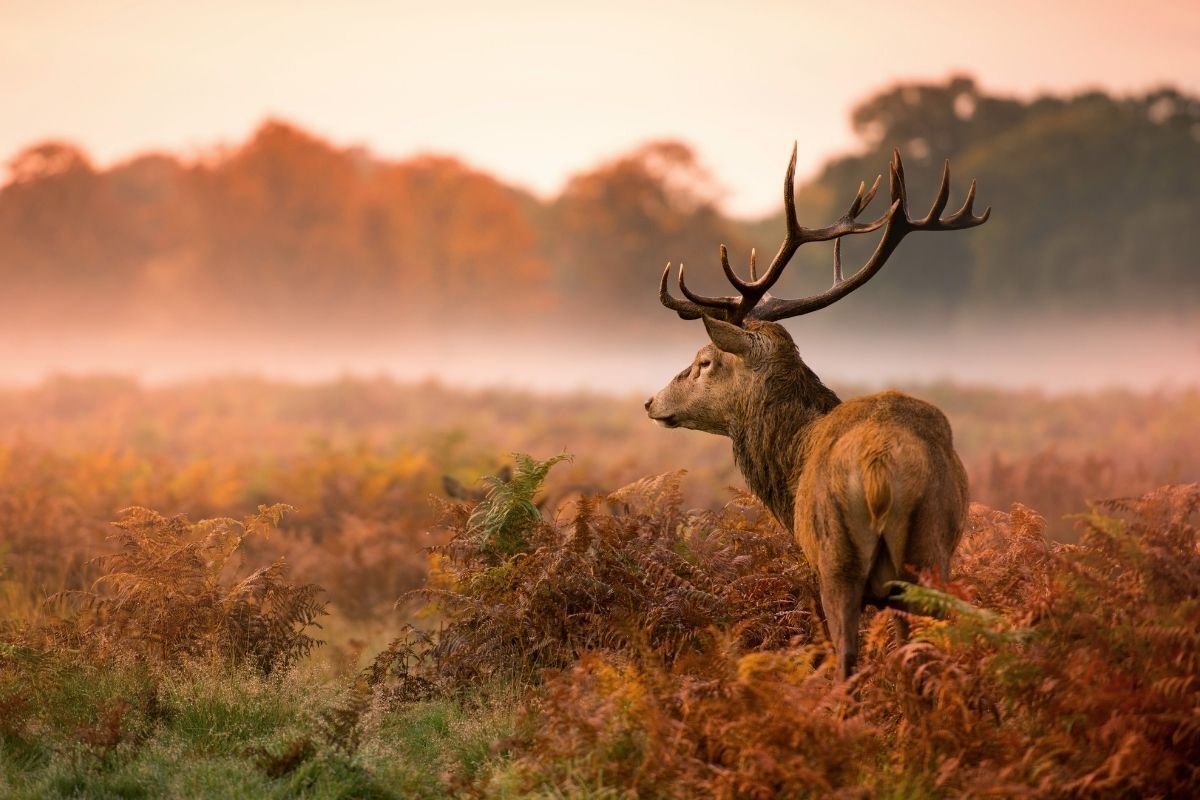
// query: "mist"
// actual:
[[1069, 356]]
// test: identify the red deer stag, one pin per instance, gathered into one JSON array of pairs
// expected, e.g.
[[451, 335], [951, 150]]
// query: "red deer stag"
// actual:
[[871, 488]]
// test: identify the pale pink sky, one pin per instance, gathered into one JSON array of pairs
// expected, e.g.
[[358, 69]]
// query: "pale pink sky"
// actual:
[[533, 91]]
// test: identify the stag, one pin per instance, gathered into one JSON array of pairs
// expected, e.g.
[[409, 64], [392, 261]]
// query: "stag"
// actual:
[[871, 487]]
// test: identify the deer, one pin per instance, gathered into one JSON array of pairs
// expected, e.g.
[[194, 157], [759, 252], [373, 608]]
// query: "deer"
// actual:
[[871, 488]]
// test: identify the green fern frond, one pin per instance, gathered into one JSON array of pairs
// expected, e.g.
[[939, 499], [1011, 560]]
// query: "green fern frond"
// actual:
[[503, 521], [966, 622], [937, 603]]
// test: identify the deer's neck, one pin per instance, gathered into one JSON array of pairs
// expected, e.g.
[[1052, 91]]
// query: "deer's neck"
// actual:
[[770, 432]]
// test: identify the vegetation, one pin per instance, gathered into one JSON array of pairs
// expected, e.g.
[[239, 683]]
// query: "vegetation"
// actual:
[[577, 629], [1093, 193], [1071, 674], [660, 652], [662, 641], [73, 728], [162, 594], [359, 459]]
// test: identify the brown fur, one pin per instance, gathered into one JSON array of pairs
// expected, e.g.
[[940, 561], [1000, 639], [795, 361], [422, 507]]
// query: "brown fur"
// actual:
[[871, 488], [876, 481]]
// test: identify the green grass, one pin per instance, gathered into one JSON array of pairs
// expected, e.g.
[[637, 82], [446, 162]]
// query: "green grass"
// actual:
[[201, 733]]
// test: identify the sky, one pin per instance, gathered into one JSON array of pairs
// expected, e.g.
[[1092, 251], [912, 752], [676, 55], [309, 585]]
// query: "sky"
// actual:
[[535, 91]]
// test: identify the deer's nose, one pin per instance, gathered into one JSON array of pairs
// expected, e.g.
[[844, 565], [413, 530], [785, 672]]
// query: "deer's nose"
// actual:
[[648, 402]]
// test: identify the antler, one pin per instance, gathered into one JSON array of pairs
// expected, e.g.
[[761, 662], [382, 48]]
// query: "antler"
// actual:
[[754, 300]]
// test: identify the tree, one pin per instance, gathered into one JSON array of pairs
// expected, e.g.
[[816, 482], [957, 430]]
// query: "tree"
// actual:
[[1091, 193], [615, 226]]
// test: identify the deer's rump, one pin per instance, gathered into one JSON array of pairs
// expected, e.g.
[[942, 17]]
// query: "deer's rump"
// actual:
[[883, 492]]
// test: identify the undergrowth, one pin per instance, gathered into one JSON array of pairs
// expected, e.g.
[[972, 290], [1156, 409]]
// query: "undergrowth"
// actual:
[[653, 576], [675, 653], [170, 593], [633, 649]]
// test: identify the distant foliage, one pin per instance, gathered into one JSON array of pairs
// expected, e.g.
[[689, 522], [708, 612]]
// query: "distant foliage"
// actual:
[[1093, 195], [1084, 188], [282, 227], [167, 595], [612, 226]]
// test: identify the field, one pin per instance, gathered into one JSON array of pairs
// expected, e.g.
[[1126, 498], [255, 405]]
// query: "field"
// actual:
[[638, 632]]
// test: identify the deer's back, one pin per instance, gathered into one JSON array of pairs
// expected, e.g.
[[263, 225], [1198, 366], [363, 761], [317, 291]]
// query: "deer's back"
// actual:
[[880, 467]]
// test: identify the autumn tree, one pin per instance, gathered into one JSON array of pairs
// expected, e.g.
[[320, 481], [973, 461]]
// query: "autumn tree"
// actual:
[[278, 219], [63, 238], [447, 240], [615, 226]]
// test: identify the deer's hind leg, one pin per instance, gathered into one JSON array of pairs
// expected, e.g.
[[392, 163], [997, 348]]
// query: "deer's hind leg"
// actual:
[[826, 532], [846, 548], [842, 601]]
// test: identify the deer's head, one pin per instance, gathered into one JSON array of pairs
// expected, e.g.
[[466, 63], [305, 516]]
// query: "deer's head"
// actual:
[[749, 354], [737, 364]]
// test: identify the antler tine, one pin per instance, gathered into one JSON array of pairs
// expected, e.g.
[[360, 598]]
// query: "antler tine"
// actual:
[[896, 181], [861, 202], [684, 309], [702, 300], [696, 305], [791, 239], [943, 196], [963, 218], [789, 196], [967, 213], [966, 209], [732, 276]]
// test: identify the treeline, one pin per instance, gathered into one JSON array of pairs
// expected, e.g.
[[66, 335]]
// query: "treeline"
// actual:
[[1094, 196]]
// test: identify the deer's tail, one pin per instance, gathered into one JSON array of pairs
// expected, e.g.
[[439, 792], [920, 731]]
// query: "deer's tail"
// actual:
[[877, 485]]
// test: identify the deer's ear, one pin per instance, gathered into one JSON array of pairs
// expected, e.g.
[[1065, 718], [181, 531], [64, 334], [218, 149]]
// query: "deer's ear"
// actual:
[[729, 338]]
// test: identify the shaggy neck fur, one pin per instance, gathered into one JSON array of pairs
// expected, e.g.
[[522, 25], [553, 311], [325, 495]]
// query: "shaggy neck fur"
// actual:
[[771, 426]]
